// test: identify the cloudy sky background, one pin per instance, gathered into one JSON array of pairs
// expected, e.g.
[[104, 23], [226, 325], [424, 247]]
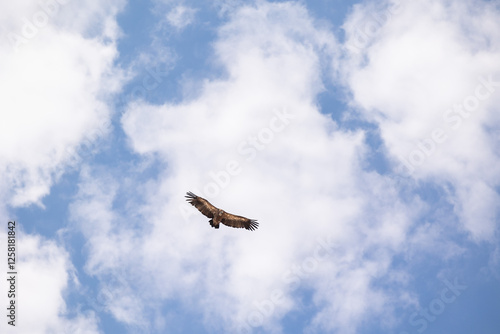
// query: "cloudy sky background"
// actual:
[[363, 136]]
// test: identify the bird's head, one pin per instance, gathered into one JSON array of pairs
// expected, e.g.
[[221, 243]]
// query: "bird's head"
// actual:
[[220, 212]]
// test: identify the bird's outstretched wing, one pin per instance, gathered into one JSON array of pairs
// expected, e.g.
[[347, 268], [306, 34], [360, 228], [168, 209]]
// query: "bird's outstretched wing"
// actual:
[[201, 204], [239, 222]]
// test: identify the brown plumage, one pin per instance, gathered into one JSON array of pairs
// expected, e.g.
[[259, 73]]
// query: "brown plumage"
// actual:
[[217, 215]]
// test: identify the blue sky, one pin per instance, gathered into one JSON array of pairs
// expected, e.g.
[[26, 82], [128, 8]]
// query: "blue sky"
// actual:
[[363, 136]]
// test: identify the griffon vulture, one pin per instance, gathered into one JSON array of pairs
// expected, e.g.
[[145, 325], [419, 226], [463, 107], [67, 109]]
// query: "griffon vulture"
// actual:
[[217, 215]]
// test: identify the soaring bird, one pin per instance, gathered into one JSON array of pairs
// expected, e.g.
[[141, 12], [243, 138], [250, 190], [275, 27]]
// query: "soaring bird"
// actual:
[[217, 215]]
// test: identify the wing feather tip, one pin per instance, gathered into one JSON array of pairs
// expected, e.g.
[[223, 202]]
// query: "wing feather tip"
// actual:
[[253, 225], [190, 196]]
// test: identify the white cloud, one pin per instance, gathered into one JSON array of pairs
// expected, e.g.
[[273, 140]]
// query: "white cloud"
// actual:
[[427, 74], [181, 16], [56, 60], [44, 276], [57, 74], [256, 144]]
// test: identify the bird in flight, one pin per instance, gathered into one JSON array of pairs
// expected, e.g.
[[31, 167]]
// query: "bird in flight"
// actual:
[[218, 216]]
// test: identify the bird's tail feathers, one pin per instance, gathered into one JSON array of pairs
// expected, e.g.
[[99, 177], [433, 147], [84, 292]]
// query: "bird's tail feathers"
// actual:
[[211, 221]]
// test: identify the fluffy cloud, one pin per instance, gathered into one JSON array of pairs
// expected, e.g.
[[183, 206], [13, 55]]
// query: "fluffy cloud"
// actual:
[[255, 143], [427, 74], [57, 77], [57, 74], [180, 16], [45, 275]]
